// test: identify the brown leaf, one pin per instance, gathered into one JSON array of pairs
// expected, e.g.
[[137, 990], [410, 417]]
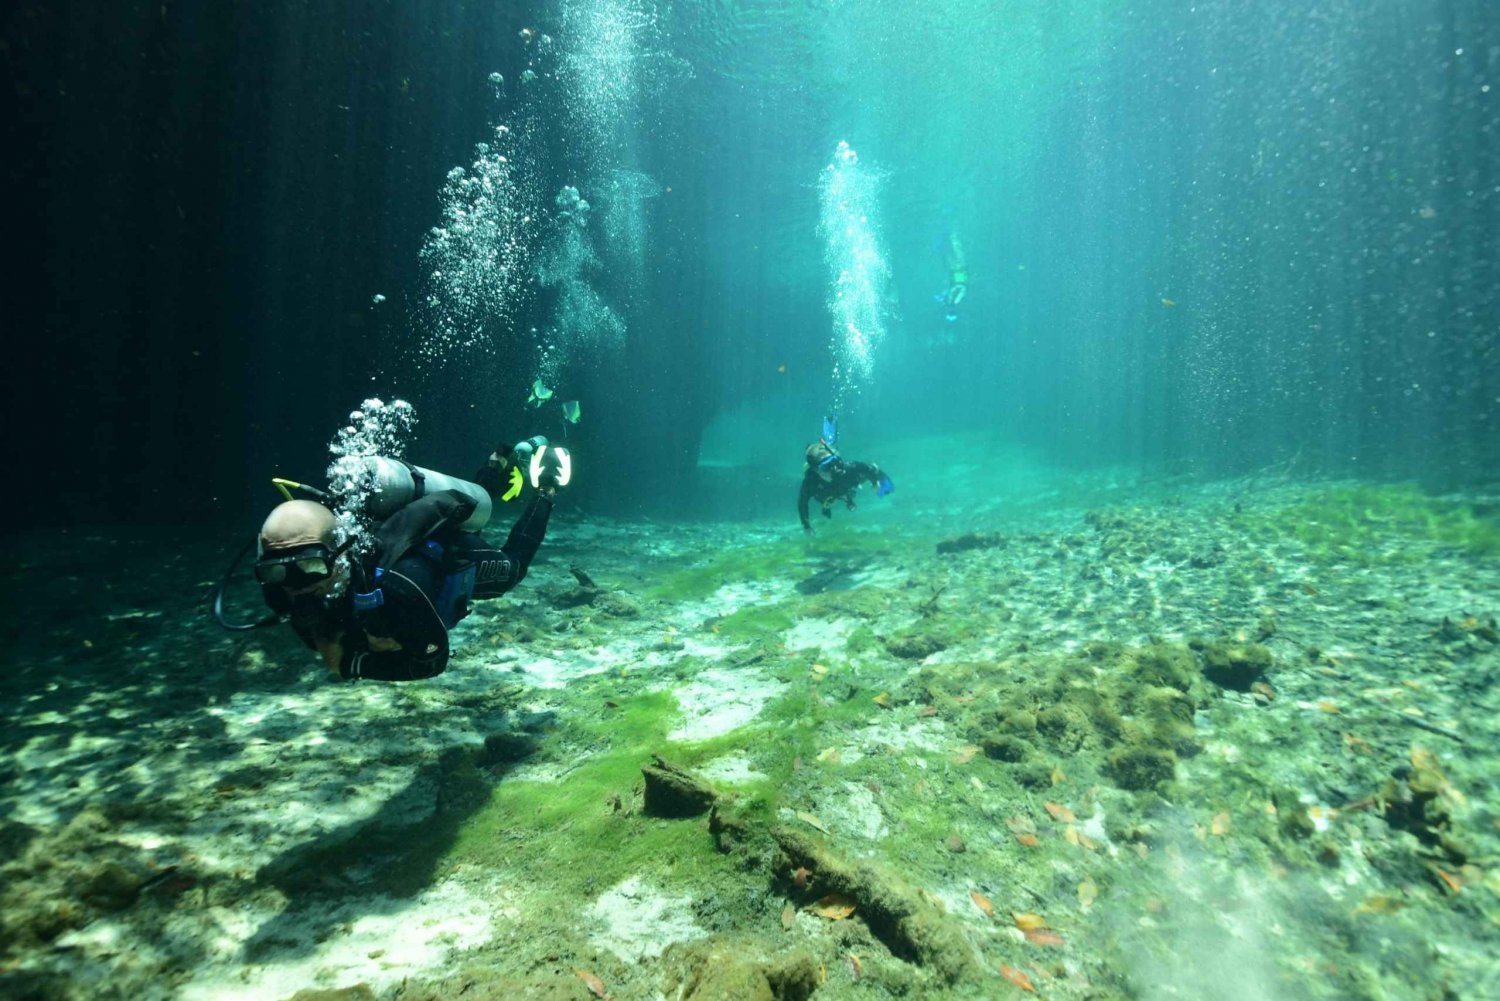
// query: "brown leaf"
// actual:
[[1043, 936], [1088, 892], [788, 915], [1029, 840], [965, 754], [1071, 835], [926, 711], [1026, 922], [593, 983], [1060, 813], [1057, 775], [1219, 826], [883, 700], [1381, 903], [1017, 977], [811, 819], [1020, 825], [983, 903], [834, 907]]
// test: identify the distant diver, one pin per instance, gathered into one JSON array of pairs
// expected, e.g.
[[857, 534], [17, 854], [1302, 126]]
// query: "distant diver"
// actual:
[[958, 278], [385, 615], [830, 478]]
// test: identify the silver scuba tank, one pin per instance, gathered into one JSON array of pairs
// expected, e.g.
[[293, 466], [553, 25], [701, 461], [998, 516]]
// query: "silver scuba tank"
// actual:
[[393, 484]]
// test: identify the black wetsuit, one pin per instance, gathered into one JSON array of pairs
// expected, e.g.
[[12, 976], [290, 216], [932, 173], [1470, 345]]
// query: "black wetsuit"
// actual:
[[398, 591], [845, 479]]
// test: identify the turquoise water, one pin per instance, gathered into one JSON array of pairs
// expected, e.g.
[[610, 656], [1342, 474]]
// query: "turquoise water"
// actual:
[[1166, 670]]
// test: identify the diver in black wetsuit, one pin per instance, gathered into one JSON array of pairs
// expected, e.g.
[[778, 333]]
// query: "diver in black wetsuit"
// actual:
[[386, 615], [830, 478]]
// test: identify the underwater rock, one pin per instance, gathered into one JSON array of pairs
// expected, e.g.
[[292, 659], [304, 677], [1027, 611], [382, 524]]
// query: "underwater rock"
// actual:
[[970, 541], [575, 597], [1165, 664], [793, 977], [1006, 748], [616, 605], [729, 832], [672, 792], [1020, 721], [1416, 799], [718, 970], [359, 992], [912, 929], [602, 601], [1033, 774], [915, 644], [112, 887], [506, 747], [1139, 767], [65, 879], [1168, 715], [1065, 725], [1234, 665]]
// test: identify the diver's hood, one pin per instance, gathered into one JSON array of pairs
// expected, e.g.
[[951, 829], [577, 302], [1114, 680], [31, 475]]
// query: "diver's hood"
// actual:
[[817, 452], [296, 524]]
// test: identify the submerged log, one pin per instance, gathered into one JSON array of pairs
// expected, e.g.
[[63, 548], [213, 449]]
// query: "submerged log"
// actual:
[[673, 792]]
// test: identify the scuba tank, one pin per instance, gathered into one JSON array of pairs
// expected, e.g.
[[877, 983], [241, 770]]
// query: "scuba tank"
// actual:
[[393, 484]]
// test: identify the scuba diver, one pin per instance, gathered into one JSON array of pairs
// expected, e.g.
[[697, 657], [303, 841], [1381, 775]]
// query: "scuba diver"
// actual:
[[958, 278], [829, 477], [385, 614]]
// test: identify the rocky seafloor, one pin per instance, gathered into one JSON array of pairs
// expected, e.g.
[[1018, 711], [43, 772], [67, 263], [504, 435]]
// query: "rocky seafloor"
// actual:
[[1227, 740]]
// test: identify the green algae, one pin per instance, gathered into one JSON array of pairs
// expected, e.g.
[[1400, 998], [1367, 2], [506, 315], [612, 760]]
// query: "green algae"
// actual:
[[1233, 665], [696, 579], [864, 603], [759, 621], [861, 639], [1377, 523]]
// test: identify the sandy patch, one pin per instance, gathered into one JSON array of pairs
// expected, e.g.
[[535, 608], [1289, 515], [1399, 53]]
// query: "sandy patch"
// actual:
[[828, 637], [733, 769], [637, 921], [376, 941], [855, 812], [721, 700]]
